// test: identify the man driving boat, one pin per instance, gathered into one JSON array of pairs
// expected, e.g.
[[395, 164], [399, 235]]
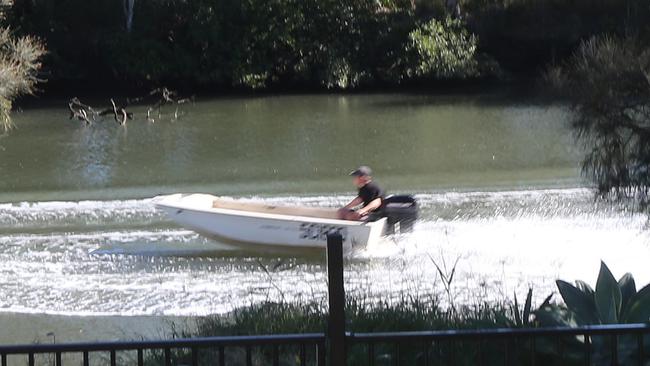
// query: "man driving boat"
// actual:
[[369, 198]]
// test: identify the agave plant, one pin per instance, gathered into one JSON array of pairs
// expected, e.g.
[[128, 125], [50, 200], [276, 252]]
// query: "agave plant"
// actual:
[[612, 302]]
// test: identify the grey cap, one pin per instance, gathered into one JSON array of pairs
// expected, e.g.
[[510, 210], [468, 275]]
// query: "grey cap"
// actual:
[[361, 171]]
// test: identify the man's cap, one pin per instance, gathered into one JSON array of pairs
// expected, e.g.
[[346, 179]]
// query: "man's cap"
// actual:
[[361, 171]]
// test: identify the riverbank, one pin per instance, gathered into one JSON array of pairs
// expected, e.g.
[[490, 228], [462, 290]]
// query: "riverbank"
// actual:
[[26, 328], [524, 90]]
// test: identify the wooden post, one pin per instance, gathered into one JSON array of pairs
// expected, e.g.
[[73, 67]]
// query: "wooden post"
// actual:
[[336, 321]]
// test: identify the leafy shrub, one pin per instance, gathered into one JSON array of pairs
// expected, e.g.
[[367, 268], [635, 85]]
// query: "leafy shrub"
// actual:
[[443, 49], [19, 62]]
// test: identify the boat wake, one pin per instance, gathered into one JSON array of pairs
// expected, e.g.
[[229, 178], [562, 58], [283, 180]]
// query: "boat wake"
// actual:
[[125, 257]]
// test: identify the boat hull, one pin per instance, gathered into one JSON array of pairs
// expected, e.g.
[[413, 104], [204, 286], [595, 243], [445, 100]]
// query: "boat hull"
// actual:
[[256, 230]]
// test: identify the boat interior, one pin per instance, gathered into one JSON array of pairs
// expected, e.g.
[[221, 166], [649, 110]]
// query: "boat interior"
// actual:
[[323, 213]]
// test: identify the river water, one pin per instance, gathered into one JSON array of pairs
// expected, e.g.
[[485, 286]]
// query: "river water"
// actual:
[[497, 179]]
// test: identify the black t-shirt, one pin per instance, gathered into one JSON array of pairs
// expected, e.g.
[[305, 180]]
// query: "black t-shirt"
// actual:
[[370, 192]]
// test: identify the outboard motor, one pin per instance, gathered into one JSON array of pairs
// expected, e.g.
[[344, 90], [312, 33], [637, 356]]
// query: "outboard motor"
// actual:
[[401, 212]]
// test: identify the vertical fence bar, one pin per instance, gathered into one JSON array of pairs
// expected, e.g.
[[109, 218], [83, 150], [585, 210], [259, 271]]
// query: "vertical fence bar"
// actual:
[[140, 357], [336, 290], [533, 350], [222, 356], [303, 355], [195, 356], [3, 359], [249, 356], [560, 350], [587, 349], [168, 357], [57, 361], [479, 352], [506, 360], [86, 359], [397, 354], [113, 358], [452, 351], [320, 354], [425, 353], [614, 346], [639, 344], [276, 355], [30, 359], [371, 354]]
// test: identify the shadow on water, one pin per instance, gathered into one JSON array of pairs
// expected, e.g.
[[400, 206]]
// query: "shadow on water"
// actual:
[[501, 97], [172, 250]]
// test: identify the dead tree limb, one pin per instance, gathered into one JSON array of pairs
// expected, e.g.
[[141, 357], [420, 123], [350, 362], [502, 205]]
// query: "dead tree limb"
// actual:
[[119, 113], [81, 111]]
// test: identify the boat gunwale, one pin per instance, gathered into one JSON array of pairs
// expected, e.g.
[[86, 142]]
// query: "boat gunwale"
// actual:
[[270, 216]]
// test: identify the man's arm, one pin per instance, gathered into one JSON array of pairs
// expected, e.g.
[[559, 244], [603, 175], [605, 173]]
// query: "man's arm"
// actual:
[[354, 203], [373, 205]]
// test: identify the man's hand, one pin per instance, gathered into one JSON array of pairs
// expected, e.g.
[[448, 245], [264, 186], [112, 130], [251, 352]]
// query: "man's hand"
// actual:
[[347, 214], [375, 204]]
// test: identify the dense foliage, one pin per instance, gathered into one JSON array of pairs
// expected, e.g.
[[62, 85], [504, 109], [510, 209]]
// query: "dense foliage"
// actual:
[[313, 43], [19, 62], [444, 50], [607, 82]]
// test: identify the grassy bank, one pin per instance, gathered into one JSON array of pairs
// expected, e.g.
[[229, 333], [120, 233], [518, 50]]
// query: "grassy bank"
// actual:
[[406, 314]]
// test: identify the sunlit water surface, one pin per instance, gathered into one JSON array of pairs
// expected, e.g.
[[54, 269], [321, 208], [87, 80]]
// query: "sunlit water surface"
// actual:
[[502, 205]]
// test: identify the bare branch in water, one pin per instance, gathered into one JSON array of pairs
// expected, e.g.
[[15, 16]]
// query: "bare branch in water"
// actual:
[[162, 96], [81, 111]]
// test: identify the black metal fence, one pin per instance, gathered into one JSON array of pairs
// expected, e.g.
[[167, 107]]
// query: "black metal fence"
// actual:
[[619, 344], [307, 349]]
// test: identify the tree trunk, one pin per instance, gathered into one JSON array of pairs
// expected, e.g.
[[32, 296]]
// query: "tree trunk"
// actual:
[[128, 14]]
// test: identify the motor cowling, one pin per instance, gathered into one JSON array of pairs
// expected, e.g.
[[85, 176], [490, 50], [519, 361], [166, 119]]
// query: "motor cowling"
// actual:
[[401, 212]]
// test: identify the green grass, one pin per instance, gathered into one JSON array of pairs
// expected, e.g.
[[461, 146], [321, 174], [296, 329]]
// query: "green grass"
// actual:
[[362, 315]]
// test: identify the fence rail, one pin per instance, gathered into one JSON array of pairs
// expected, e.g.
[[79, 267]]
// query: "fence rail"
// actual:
[[616, 344]]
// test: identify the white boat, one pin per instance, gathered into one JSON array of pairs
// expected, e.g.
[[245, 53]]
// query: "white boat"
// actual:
[[257, 225]]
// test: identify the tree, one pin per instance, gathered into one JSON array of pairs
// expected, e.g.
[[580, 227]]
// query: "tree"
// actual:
[[443, 50], [607, 82], [19, 63]]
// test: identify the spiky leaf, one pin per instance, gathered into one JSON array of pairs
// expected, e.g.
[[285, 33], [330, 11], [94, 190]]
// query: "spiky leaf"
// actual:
[[581, 304], [638, 307], [515, 311], [527, 306], [628, 289], [584, 287], [607, 296]]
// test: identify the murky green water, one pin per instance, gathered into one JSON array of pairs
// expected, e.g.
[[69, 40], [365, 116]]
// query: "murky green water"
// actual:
[[291, 145], [497, 182]]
